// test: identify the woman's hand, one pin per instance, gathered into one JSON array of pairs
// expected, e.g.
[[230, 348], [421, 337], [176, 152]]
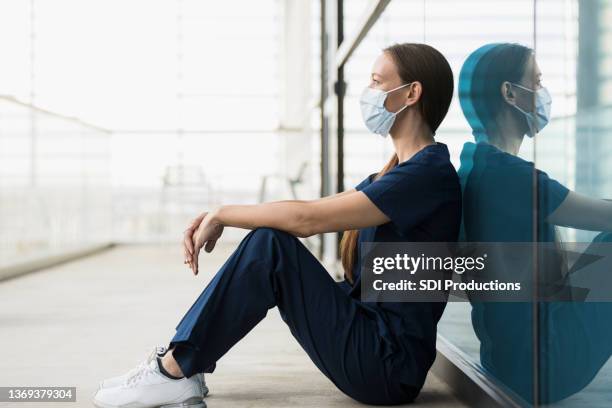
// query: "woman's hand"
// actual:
[[205, 235], [188, 247]]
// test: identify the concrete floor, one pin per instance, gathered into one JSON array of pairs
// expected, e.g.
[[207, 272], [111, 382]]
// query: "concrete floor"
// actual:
[[76, 323]]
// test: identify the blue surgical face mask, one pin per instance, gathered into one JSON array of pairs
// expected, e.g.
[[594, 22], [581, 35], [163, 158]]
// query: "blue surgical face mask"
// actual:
[[376, 117], [541, 116]]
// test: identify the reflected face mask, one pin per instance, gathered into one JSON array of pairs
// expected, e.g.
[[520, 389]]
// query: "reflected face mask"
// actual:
[[375, 116], [540, 118]]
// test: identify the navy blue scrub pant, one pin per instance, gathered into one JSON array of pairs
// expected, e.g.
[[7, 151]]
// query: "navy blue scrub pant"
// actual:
[[273, 268]]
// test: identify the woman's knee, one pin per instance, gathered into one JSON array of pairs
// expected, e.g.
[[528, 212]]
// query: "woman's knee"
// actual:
[[266, 245], [267, 232], [268, 236]]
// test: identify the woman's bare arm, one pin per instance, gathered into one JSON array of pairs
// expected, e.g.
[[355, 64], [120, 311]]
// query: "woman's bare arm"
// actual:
[[346, 210], [337, 194], [349, 209], [583, 212]]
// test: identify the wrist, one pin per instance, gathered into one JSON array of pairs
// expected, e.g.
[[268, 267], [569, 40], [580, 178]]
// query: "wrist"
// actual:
[[215, 216]]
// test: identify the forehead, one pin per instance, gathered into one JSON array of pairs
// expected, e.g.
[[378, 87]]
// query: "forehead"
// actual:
[[532, 69], [384, 66]]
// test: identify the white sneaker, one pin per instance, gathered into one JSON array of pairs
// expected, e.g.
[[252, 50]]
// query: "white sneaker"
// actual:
[[158, 351], [147, 387]]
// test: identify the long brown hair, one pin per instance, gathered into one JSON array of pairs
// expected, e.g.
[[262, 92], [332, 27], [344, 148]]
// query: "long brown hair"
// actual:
[[425, 64]]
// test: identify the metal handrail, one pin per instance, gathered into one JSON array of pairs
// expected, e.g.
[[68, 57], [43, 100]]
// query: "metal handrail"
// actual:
[[349, 45]]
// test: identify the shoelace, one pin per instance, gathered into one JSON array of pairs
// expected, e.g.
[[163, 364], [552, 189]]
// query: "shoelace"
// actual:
[[133, 373], [135, 376]]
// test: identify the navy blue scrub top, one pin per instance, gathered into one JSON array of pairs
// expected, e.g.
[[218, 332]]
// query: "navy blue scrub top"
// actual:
[[422, 198]]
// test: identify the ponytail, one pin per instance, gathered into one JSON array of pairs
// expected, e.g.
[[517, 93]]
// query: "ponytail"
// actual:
[[348, 243]]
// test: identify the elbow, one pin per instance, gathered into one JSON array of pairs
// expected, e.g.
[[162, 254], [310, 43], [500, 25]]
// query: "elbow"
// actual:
[[302, 233]]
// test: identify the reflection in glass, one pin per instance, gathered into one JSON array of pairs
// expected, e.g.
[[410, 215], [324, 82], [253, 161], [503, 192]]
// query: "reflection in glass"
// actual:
[[507, 199]]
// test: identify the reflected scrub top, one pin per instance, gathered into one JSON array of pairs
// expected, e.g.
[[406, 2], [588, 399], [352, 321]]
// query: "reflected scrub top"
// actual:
[[422, 198], [498, 192], [498, 206]]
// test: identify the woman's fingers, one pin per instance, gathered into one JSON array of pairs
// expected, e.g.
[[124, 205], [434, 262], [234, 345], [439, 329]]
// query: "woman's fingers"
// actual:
[[195, 261], [186, 253], [188, 260], [196, 237], [190, 264], [188, 233], [188, 240]]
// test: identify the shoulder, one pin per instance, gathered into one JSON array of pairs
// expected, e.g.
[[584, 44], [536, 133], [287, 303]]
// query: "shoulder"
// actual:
[[489, 162], [496, 157], [432, 164], [426, 176]]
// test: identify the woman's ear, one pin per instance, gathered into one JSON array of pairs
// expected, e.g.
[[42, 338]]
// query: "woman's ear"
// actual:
[[507, 93], [415, 89]]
